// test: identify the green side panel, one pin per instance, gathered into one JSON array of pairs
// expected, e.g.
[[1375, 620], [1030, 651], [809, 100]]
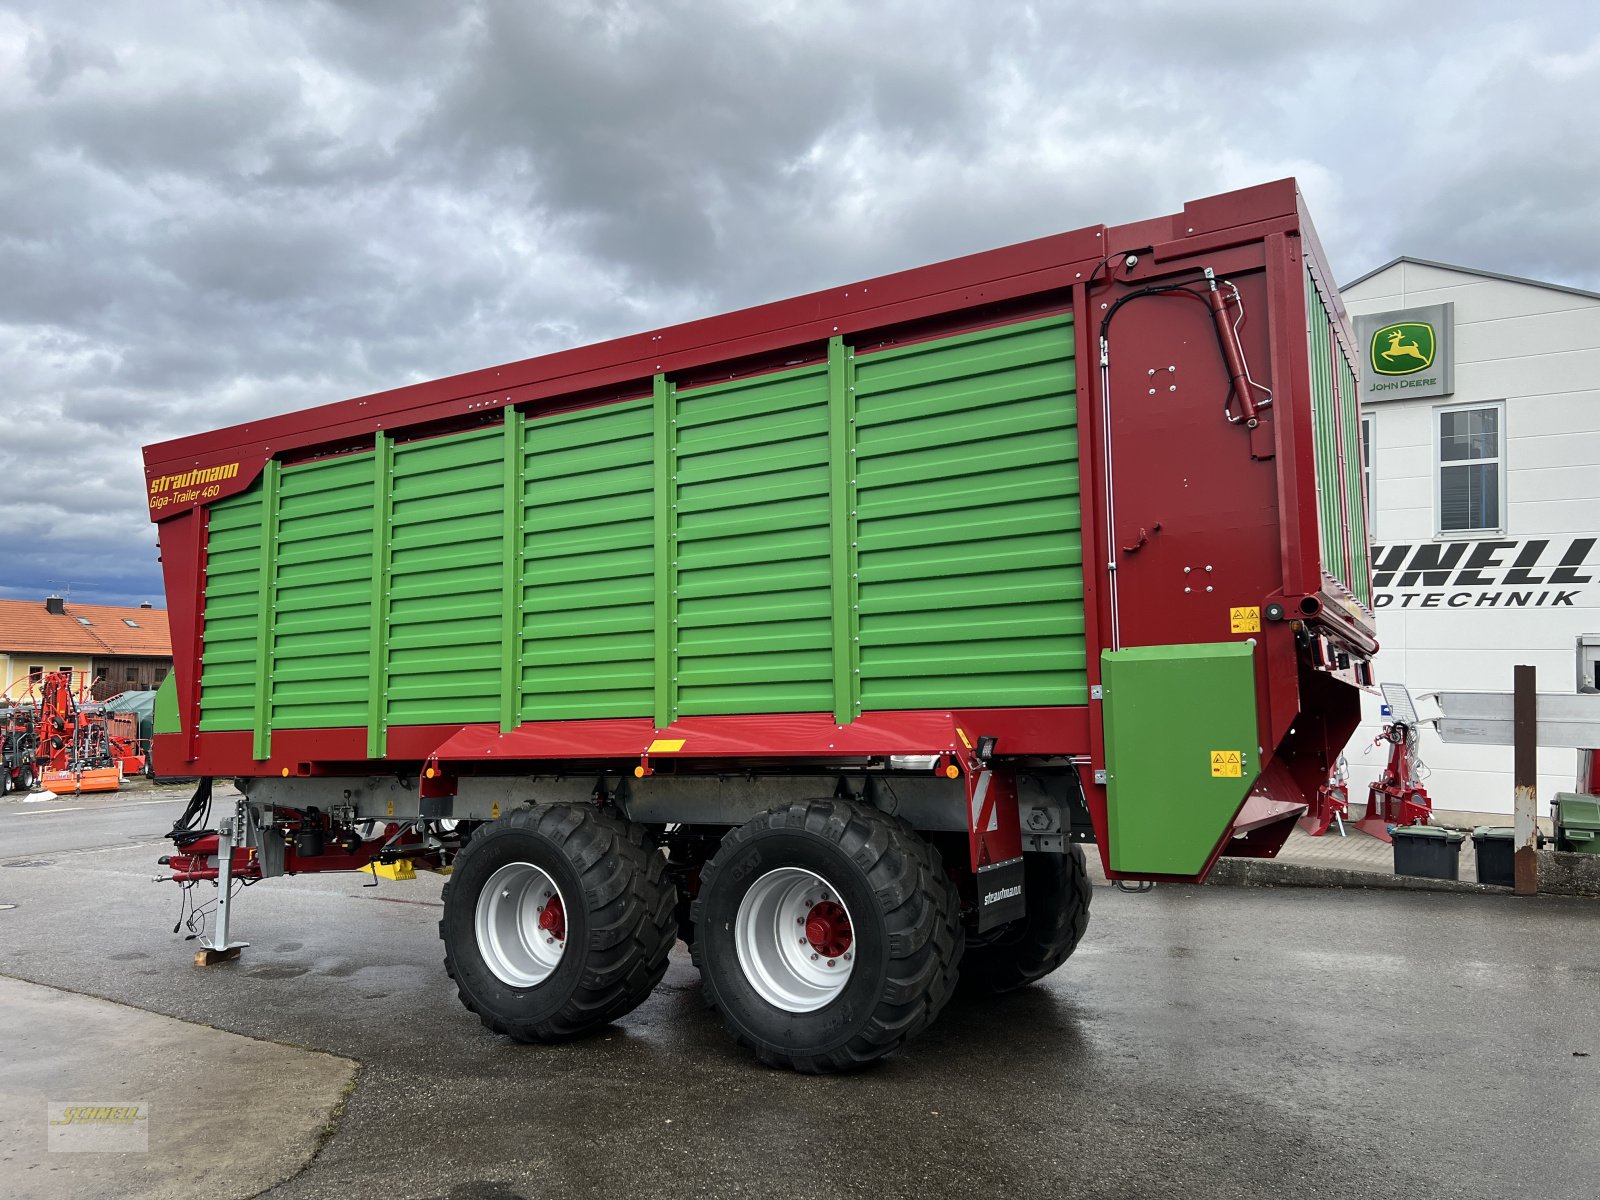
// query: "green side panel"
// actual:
[[231, 622], [166, 718], [1336, 425], [321, 630], [513, 468], [752, 546], [446, 564], [898, 530], [266, 609], [968, 526], [1324, 423], [383, 513], [664, 427], [1360, 578], [588, 579], [1170, 711], [842, 500]]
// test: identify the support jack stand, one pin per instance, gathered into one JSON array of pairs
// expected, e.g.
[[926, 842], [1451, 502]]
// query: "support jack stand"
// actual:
[[216, 947]]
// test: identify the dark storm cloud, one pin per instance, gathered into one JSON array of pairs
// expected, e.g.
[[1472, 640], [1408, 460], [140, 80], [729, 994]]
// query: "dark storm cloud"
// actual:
[[1515, 184], [209, 213]]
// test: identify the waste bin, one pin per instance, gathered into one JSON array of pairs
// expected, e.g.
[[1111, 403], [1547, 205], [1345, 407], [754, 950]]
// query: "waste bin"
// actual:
[[1496, 846], [1579, 820], [1428, 851]]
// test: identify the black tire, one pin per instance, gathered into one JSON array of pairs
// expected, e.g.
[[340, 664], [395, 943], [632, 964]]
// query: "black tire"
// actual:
[[1025, 950], [906, 929], [686, 884], [619, 926], [683, 920], [16, 772]]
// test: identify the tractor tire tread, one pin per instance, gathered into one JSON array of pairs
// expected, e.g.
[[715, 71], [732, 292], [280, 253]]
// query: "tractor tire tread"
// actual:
[[919, 902], [632, 930]]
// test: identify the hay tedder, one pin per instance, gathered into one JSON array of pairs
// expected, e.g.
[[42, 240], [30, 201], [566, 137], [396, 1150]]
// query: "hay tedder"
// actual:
[[57, 738]]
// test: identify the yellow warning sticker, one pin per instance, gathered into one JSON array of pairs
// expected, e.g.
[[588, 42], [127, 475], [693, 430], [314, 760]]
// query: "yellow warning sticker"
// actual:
[[1227, 764], [962, 733], [494, 810], [1244, 620], [665, 746]]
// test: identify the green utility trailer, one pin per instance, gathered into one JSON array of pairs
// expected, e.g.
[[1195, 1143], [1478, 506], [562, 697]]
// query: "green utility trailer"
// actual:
[[822, 635]]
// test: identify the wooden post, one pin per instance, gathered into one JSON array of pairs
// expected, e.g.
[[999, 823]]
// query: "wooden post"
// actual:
[[1525, 778]]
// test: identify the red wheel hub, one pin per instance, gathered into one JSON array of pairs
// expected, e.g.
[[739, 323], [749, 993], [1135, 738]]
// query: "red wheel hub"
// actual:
[[828, 929], [553, 919]]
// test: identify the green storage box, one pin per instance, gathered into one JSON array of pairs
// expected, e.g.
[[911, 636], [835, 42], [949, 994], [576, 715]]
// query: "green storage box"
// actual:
[[1578, 822]]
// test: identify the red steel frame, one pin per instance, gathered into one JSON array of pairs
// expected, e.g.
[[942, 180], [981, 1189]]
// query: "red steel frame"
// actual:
[[1262, 233]]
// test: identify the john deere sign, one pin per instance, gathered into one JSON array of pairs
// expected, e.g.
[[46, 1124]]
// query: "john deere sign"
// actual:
[[1404, 348], [1408, 353]]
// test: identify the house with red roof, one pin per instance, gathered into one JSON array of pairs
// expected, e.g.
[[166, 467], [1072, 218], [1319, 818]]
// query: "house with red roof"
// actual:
[[114, 648]]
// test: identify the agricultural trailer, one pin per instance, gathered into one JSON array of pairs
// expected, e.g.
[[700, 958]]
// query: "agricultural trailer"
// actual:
[[821, 635]]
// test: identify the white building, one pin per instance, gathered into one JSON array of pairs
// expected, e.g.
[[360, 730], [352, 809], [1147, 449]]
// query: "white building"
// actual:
[[1484, 498]]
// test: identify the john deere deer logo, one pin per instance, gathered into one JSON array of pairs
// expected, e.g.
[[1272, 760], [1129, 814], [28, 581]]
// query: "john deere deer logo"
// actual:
[[1403, 349]]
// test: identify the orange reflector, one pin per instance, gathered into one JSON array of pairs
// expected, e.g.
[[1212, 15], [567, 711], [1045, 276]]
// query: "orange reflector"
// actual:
[[638, 772], [430, 772], [953, 771], [286, 772]]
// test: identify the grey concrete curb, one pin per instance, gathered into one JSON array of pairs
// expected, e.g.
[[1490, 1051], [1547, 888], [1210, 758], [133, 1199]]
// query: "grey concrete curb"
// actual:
[[1565, 874], [1560, 874], [1260, 872]]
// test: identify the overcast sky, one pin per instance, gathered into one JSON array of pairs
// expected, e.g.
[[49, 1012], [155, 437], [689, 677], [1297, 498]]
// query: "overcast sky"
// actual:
[[211, 211]]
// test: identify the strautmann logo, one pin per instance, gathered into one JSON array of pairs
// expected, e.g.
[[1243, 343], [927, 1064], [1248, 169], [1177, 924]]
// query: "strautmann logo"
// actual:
[[1404, 348]]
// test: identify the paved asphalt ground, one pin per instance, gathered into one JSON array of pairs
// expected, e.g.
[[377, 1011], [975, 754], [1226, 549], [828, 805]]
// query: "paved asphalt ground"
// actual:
[[1205, 1042]]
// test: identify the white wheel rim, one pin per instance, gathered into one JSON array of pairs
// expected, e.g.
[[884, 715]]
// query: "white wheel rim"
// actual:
[[514, 944], [776, 937]]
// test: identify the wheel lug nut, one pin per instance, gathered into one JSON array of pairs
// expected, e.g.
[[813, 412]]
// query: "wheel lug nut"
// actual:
[[802, 941], [831, 962], [813, 958]]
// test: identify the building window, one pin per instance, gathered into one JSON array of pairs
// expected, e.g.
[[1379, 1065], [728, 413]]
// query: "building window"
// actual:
[[35, 674], [133, 675], [161, 674], [1366, 474], [1471, 495]]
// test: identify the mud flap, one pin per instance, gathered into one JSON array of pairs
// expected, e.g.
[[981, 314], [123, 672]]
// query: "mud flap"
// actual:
[[994, 831], [1000, 896]]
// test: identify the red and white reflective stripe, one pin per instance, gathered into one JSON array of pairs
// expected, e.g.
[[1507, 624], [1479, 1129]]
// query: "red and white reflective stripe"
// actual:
[[983, 816]]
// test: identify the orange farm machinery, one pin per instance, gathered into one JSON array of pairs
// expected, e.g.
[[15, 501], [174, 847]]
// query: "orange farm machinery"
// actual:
[[55, 736]]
